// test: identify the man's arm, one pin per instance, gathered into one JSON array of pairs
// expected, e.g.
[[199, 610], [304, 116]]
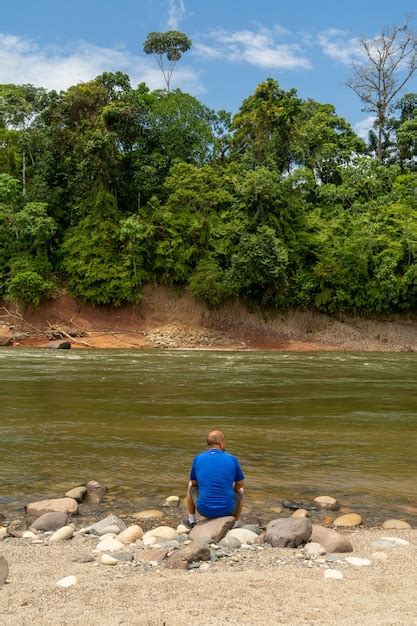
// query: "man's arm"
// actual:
[[238, 485]]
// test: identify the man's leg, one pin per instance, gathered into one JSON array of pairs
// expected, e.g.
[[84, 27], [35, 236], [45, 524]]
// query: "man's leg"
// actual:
[[192, 495], [190, 501], [238, 504]]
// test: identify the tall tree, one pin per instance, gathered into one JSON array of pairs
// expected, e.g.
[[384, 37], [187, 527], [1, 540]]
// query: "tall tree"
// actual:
[[390, 60], [171, 44]]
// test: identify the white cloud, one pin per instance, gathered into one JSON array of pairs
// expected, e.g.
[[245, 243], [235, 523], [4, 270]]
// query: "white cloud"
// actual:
[[363, 127], [58, 67], [176, 13], [336, 45], [262, 48]]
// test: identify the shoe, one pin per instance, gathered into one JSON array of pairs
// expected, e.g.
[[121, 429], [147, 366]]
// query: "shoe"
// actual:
[[187, 522]]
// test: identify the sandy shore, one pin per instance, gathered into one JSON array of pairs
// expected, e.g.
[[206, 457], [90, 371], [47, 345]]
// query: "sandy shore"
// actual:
[[268, 586]]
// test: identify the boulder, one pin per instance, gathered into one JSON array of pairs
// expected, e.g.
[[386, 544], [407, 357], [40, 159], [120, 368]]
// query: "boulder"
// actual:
[[57, 505], [63, 534], [162, 533], [288, 532], [50, 521], [110, 544], [6, 335], [4, 570], [110, 520], [326, 503], [95, 492], [131, 534], [230, 542], [331, 540], [299, 513], [243, 535], [395, 524], [350, 519], [191, 553], [314, 549], [148, 514], [59, 344], [155, 554], [211, 530], [78, 493]]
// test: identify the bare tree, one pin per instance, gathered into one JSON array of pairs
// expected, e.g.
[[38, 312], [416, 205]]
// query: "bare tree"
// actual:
[[390, 60]]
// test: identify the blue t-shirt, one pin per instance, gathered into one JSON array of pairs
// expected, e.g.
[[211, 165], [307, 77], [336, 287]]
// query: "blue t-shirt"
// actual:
[[215, 472]]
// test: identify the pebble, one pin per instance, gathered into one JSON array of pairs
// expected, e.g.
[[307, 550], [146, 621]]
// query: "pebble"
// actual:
[[182, 530], [300, 513], [335, 574], [204, 567], [397, 540], [389, 542], [109, 530], [28, 534], [350, 519], [172, 501], [149, 540], [68, 581], [62, 534], [395, 524], [358, 562], [379, 556], [148, 514], [106, 559], [166, 533], [327, 503], [130, 534], [109, 545]]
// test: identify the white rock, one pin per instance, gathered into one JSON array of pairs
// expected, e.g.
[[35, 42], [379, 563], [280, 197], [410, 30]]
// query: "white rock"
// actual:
[[333, 573], [204, 567], [148, 540], [182, 530], [355, 560], [3, 533], [68, 581], [314, 549], [29, 535], [62, 534], [243, 535], [131, 534], [172, 501], [106, 559], [109, 530], [379, 556], [162, 532], [397, 540], [109, 545], [108, 536]]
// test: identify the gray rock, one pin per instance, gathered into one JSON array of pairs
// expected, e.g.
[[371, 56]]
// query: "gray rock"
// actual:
[[123, 556], [288, 532], [84, 558], [192, 553], [50, 521], [110, 520], [95, 492], [330, 539], [59, 344], [182, 538], [384, 543], [211, 530], [255, 528], [63, 505], [78, 493], [230, 542], [4, 570]]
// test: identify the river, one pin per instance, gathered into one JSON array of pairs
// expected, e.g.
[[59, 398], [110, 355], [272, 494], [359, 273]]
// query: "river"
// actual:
[[302, 424]]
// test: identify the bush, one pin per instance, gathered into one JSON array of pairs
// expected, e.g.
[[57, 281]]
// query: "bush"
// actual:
[[28, 287]]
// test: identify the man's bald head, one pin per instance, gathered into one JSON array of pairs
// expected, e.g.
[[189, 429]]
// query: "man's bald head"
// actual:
[[215, 438]]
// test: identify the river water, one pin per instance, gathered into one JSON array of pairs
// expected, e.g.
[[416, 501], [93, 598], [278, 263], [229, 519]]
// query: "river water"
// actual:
[[302, 424]]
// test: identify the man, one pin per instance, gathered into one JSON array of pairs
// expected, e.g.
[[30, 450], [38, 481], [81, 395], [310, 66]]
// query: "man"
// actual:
[[216, 482]]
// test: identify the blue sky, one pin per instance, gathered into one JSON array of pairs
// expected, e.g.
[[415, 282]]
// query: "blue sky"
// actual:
[[304, 44]]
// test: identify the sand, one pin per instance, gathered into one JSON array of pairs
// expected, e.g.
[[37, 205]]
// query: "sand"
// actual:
[[254, 590]]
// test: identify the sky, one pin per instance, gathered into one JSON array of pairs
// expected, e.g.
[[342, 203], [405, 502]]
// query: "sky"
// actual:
[[305, 45]]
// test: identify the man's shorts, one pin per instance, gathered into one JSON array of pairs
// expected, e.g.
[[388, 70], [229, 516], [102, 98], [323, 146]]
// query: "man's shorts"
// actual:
[[237, 495]]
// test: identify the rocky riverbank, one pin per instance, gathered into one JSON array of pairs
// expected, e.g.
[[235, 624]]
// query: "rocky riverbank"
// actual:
[[289, 565]]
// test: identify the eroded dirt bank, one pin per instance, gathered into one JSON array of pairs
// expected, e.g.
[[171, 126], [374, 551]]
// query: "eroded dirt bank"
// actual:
[[166, 318]]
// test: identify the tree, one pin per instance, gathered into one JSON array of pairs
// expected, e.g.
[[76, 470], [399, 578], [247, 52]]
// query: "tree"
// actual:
[[171, 43], [390, 60]]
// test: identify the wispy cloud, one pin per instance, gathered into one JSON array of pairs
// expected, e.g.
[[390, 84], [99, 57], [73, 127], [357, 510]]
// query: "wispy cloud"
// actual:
[[363, 127], [337, 45], [58, 67], [176, 13], [262, 48]]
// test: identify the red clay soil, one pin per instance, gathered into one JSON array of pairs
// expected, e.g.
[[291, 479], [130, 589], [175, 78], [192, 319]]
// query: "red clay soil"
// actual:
[[166, 318]]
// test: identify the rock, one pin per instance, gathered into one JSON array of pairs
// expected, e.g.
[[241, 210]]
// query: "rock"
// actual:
[[335, 574], [164, 533], [123, 556], [109, 545], [243, 535], [379, 556], [28, 534], [6, 335], [276, 509], [59, 344], [131, 534], [61, 505], [255, 528], [50, 521], [182, 530], [78, 493], [155, 554], [192, 553], [396, 541], [4, 570], [355, 560], [95, 492], [106, 559], [288, 532], [299, 513], [172, 501], [327, 503], [293, 506], [3, 533], [149, 540], [148, 514], [328, 520], [204, 567], [230, 542], [108, 536], [110, 520], [211, 530], [63, 534], [260, 538], [109, 530], [84, 558], [331, 540], [314, 549], [68, 581], [395, 524], [349, 519]]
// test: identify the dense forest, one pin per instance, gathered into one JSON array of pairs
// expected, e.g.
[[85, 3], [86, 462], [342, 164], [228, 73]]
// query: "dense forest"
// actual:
[[106, 186]]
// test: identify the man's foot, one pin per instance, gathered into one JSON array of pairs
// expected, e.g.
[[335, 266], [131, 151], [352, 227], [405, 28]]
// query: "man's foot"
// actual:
[[187, 522]]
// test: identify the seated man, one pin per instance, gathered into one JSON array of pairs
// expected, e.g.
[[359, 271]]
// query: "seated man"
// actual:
[[216, 482]]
